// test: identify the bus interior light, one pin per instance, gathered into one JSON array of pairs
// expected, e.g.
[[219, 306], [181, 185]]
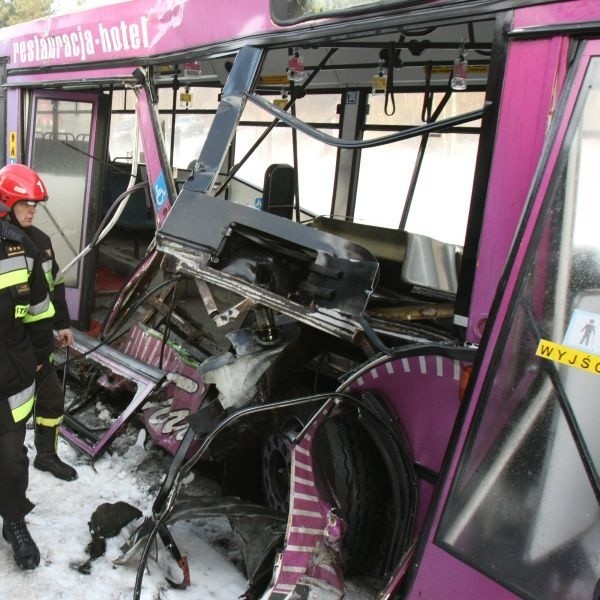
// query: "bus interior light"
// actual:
[[460, 70]]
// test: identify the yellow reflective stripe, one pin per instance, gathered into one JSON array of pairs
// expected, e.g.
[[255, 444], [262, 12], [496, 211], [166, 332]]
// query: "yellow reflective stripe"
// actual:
[[47, 314], [13, 278], [23, 411], [48, 422], [21, 404], [40, 307], [41, 310]]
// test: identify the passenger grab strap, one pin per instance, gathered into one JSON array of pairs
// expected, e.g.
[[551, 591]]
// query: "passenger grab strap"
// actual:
[[389, 84]]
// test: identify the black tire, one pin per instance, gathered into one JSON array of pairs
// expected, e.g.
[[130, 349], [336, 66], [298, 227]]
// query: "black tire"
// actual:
[[350, 475]]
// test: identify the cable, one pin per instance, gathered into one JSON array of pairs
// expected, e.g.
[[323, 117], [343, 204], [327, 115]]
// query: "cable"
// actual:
[[115, 335], [106, 225], [167, 331]]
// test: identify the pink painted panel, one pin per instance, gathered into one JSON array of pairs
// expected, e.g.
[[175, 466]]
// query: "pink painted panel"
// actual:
[[423, 393], [528, 95], [564, 12], [131, 29], [441, 571]]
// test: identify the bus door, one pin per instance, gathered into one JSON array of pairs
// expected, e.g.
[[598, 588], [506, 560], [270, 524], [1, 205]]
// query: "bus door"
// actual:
[[519, 515], [65, 142]]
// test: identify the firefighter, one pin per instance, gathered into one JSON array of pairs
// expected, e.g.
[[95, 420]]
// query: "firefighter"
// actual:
[[26, 339], [26, 191]]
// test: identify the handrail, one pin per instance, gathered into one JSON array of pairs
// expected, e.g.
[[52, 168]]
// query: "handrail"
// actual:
[[359, 144]]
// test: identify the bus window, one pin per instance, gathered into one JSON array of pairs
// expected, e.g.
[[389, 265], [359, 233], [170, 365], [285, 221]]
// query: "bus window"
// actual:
[[192, 121], [122, 125], [317, 161], [315, 192], [445, 178], [526, 505], [60, 154], [121, 137]]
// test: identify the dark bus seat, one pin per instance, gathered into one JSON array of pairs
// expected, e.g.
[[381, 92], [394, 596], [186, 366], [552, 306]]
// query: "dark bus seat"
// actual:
[[138, 215], [279, 190]]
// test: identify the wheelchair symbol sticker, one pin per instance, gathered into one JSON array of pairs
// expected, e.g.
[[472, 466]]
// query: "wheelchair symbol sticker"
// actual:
[[161, 195]]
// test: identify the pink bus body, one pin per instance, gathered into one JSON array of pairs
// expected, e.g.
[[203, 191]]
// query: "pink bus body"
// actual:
[[417, 413]]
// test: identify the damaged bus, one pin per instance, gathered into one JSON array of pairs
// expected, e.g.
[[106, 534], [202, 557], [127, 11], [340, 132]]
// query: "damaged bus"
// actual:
[[343, 252]]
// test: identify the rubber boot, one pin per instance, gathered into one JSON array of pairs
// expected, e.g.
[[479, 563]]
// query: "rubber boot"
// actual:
[[26, 553], [46, 459]]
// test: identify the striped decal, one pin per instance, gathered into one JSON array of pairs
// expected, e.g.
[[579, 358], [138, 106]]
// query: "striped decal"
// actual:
[[437, 365], [147, 348], [307, 524]]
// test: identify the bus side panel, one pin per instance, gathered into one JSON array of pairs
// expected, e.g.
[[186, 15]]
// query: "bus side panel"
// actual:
[[560, 12], [441, 571], [14, 133], [530, 88]]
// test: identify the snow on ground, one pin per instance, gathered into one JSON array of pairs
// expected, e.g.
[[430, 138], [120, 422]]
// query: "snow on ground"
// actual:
[[131, 471], [59, 525]]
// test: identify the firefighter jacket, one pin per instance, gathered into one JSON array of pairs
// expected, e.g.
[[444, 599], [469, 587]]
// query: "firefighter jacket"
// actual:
[[62, 319], [26, 313]]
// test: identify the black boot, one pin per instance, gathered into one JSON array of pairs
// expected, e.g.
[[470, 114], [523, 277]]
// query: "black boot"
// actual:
[[27, 555], [46, 458]]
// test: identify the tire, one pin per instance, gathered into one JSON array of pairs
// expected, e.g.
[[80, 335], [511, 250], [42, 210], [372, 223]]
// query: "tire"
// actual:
[[350, 476]]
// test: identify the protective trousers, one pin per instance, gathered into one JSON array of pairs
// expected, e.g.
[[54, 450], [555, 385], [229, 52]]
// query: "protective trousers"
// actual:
[[49, 411], [14, 474], [50, 401]]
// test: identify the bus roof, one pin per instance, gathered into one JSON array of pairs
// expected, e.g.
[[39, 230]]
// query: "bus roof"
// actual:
[[136, 32]]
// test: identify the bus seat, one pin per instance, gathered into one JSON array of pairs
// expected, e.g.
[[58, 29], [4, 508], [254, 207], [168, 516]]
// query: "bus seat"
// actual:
[[279, 190], [138, 215], [406, 260]]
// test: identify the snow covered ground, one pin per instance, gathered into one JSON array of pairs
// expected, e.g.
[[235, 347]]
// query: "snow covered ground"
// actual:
[[59, 525], [132, 472]]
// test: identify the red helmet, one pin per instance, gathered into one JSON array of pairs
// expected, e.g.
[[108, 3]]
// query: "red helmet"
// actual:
[[19, 183]]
